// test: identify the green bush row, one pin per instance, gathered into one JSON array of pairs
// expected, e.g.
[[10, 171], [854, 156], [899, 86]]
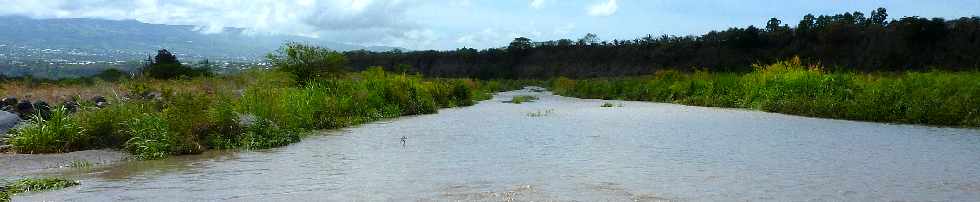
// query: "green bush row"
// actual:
[[933, 98]]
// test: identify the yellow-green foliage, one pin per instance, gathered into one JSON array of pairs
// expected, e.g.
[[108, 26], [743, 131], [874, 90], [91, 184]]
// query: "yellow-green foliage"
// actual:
[[935, 98]]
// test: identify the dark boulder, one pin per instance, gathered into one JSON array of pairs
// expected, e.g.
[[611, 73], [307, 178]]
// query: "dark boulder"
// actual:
[[100, 101], [24, 109], [8, 103], [71, 106]]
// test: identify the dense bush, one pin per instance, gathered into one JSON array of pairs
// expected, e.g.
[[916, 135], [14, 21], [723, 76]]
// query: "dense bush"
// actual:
[[308, 62], [937, 98]]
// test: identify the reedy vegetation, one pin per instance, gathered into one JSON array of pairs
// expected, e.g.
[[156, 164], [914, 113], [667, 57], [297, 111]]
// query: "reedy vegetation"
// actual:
[[934, 98]]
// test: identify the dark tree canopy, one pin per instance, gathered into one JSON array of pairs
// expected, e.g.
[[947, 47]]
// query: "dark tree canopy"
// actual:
[[309, 62], [848, 41], [166, 66], [165, 57]]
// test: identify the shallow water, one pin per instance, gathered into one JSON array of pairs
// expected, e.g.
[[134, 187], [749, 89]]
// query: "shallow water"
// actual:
[[572, 150]]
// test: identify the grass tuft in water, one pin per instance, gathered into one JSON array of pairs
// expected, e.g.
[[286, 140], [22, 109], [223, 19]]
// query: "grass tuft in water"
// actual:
[[79, 164], [541, 113], [33, 185], [521, 99]]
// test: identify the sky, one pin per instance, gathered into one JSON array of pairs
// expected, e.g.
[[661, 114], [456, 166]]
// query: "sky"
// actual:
[[451, 24]]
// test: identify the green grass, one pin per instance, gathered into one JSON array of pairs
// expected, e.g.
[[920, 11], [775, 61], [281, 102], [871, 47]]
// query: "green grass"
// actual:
[[59, 133], [33, 185], [932, 98], [522, 99]]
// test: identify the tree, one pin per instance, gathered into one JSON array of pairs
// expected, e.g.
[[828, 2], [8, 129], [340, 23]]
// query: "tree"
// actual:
[[165, 57], [879, 16], [308, 62], [166, 66], [773, 25], [588, 39], [519, 44]]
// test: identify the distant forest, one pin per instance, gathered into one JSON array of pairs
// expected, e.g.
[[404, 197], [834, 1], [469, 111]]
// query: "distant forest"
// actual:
[[843, 42]]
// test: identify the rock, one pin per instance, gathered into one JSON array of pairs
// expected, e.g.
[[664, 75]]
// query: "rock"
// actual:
[[153, 96], [100, 101], [42, 108], [8, 103], [7, 121], [71, 106], [246, 120], [24, 109]]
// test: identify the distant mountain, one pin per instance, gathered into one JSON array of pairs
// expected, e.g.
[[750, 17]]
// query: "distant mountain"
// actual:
[[22, 38]]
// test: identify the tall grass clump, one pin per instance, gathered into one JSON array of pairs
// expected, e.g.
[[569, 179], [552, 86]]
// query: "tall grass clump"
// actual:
[[106, 126], [59, 133], [934, 97], [151, 137]]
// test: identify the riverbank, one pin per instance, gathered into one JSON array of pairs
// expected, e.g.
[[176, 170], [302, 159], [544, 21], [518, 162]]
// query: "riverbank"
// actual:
[[930, 98], [153, 119]]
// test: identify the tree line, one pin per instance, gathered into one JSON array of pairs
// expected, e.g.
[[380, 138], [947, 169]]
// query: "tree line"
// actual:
[[850, 41]]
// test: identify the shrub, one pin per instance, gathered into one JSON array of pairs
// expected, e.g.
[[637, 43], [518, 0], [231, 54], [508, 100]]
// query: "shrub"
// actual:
[[307, 62], [59, 133], [265, 134], [107, 126]]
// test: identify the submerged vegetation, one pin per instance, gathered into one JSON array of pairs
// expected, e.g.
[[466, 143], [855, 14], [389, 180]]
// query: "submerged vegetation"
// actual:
[[522, 99], [934, 98], [33, 185]]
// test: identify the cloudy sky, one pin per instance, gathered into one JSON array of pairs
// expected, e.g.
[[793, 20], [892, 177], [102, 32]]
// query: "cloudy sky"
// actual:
[[450, 24]]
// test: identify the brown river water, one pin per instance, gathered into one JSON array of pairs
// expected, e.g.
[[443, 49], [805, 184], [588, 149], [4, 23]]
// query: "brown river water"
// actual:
[[567, 149]]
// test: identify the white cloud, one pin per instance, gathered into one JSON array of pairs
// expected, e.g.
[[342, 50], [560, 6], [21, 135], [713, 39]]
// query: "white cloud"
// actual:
[[603, 9], [538, 4], [352, 21], [564, 30]]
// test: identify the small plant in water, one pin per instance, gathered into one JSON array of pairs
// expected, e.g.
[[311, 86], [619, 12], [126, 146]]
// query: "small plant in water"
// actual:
[[33, 185], [541, 113], [522, 99], [607, 104], [79, 164]]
